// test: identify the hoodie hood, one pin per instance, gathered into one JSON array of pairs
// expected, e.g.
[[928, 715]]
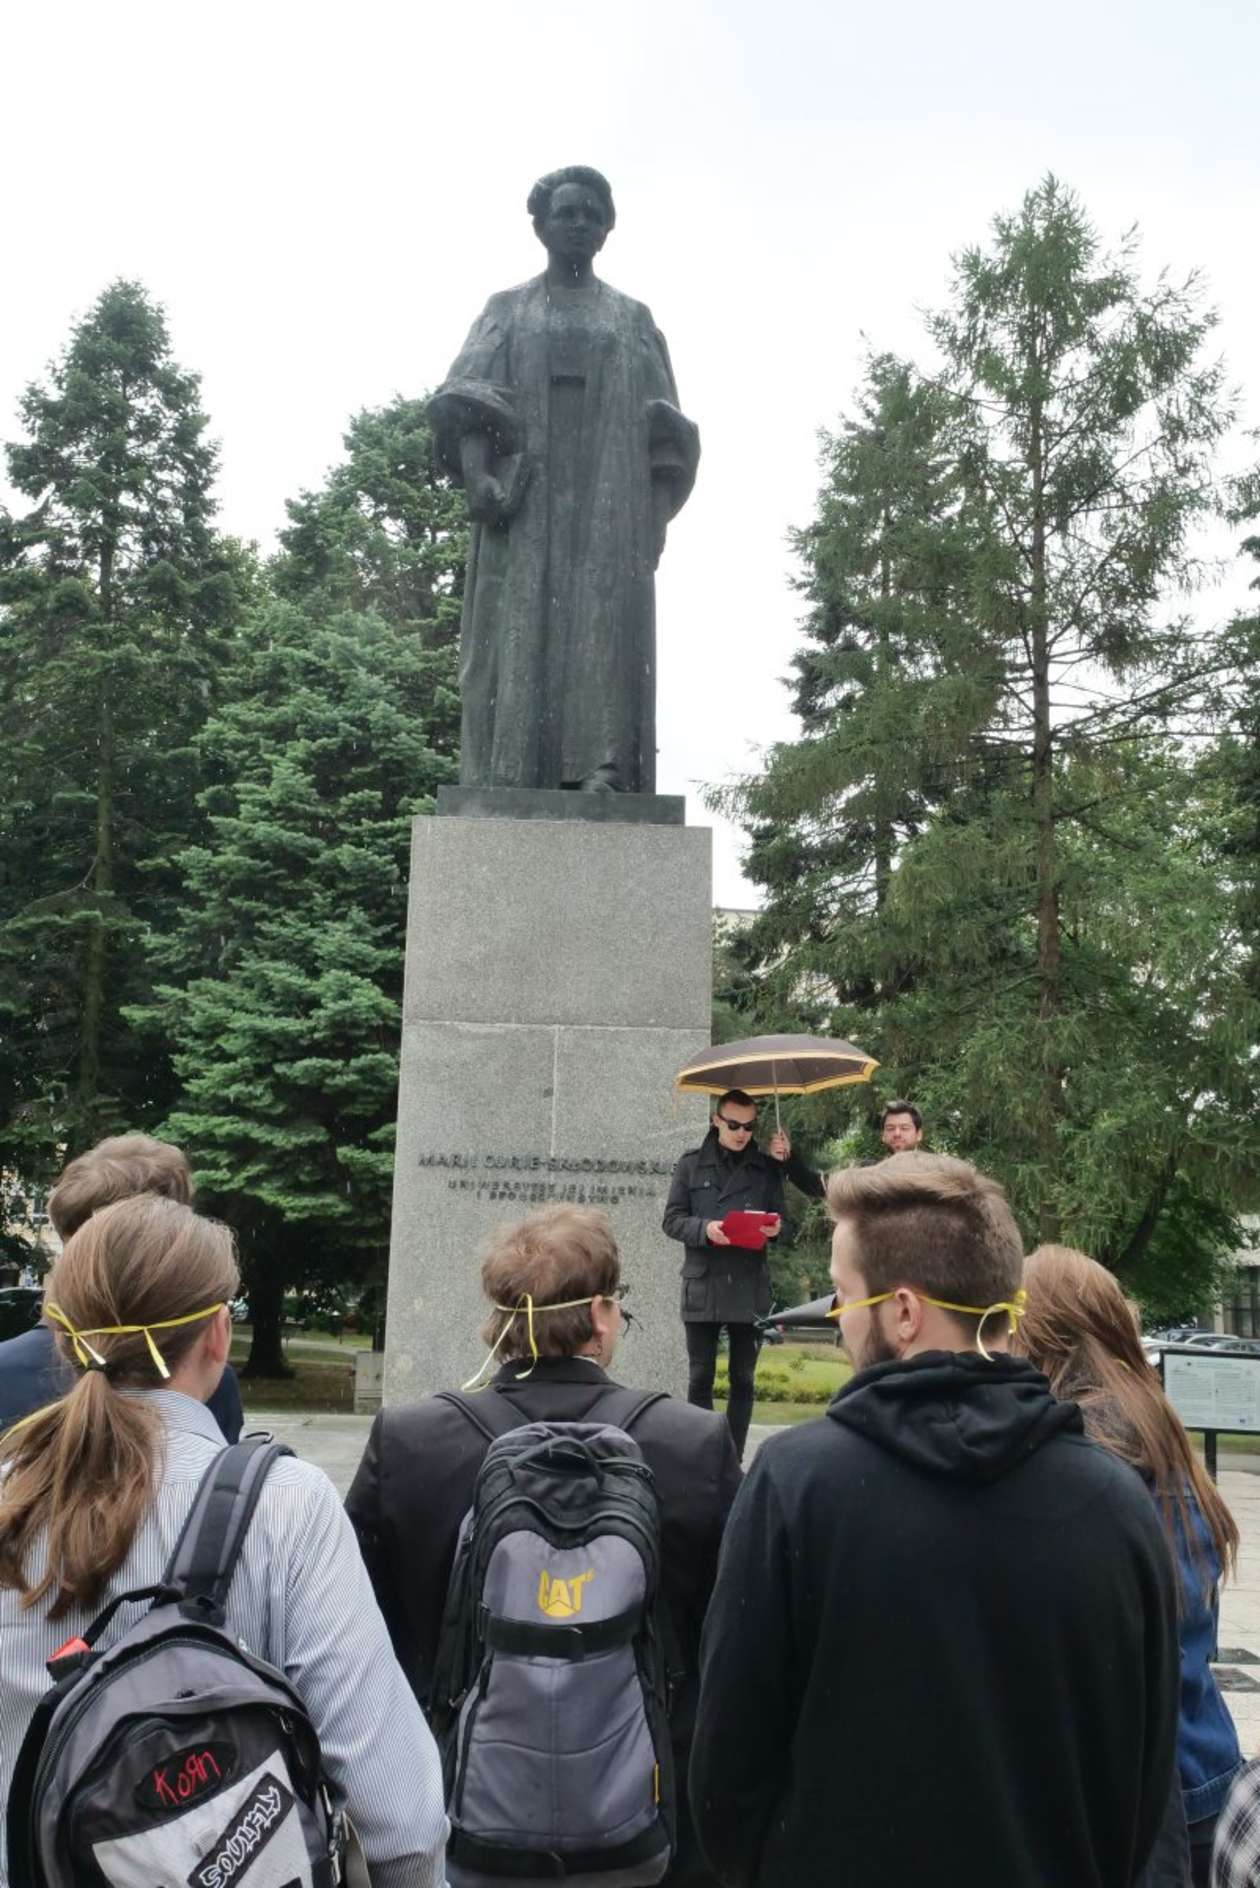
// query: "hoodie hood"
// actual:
[[953, 1413]]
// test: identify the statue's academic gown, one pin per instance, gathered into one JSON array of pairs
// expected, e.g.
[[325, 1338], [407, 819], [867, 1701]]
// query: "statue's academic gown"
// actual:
[[574, 390]]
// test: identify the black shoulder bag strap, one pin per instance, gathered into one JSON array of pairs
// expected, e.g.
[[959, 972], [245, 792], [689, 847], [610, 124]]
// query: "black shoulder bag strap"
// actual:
[[200, 1570], [495, 1416], [492, 1415], [621, 1408]]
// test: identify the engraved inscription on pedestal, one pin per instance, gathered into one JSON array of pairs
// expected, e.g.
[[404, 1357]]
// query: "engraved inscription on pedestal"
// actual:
[[557, 978], [527, 1180]]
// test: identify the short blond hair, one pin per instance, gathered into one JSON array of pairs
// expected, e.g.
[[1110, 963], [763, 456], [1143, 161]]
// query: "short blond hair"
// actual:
[[933, 1223], [555, 1254]]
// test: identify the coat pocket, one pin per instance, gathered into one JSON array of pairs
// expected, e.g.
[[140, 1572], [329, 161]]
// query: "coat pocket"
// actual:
[[695, 1294]]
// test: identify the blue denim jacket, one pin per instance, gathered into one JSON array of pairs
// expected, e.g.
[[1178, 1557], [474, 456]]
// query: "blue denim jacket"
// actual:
[[1207, 1743]]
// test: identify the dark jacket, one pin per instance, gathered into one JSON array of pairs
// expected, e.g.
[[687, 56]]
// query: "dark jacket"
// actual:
[[942, 1647], [812, 1185], [33, 1372], [415, 1485], [722, 1284]]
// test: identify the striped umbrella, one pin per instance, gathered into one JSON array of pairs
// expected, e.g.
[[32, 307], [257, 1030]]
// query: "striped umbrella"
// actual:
[[776, 1065]]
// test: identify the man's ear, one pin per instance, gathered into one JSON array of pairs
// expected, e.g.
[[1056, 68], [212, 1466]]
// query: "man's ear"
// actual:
[[907, 1315], [603, 1317]]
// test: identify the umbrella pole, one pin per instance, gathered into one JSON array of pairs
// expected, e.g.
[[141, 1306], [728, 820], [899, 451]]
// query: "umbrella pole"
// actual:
[[777, 1122]]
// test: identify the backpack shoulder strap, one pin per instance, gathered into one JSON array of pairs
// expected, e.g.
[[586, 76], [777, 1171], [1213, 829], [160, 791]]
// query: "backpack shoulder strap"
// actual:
[[488, 1412], [200, 1569], [622, 1408]]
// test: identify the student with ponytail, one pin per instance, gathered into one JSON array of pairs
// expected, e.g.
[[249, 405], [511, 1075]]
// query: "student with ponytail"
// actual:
[[94, 1490], [32, 1369], [1080, 1329]]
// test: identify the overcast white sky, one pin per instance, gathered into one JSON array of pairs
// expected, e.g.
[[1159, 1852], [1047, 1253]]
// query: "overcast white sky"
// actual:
[[323, 197]]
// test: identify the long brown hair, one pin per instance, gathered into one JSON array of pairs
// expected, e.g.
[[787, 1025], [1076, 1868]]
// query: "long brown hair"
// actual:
[[1080, 1329], [85, 1468]]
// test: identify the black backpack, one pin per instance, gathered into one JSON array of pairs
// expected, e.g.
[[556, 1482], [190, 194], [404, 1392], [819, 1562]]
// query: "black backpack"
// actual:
[[176, 1758], [550, 1693]]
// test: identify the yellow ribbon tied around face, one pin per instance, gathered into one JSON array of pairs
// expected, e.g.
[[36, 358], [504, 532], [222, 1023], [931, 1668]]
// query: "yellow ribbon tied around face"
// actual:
[[1015, 1308], [527, 1309], [89, 1358]]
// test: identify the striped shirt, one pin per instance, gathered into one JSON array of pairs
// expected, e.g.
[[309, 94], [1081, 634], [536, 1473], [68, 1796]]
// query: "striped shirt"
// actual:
[[302, 1600]]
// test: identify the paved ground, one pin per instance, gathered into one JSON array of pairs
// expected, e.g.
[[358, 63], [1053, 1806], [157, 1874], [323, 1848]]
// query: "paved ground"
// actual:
[[336, 1443], [1239, 1670]]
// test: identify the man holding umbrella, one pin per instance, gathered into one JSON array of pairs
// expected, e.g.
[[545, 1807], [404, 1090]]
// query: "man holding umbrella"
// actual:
[[724, 1283]]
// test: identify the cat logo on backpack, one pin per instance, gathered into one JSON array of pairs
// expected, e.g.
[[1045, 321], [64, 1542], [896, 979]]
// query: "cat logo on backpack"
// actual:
[[561, 1599], [549, 1690]]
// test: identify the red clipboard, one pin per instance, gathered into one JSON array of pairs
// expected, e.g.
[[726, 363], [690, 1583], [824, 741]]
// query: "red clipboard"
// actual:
[[750, 1230]]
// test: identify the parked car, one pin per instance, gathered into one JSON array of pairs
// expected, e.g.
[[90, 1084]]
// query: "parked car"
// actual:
[[20, 1307], [1218, 1343]]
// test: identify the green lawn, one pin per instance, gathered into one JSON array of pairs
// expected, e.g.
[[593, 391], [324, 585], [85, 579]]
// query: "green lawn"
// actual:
[[794, 1381], [322, 1379], [800, 1378]]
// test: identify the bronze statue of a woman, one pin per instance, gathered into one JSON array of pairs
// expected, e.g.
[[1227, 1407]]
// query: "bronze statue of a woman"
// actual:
[[561, 419]]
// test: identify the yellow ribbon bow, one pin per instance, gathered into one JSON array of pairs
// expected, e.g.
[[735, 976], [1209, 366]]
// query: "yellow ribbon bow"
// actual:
[[88, 1357]]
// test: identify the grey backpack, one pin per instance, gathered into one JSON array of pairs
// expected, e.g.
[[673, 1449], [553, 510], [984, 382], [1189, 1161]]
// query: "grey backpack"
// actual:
[[176, 1758], [549, 1695]]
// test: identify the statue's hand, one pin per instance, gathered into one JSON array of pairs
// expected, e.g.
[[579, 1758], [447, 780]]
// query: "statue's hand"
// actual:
[[485, 499]]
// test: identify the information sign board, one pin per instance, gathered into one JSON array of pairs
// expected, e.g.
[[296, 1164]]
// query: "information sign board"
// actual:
[[1213, 1390]]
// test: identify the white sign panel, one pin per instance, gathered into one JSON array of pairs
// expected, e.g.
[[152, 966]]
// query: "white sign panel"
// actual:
[[1211, 1391]]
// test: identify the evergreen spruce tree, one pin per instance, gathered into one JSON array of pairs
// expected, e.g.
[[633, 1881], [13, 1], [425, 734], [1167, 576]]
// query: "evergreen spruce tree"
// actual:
[[1051, 965], [116, 604], [281, 988], [889, 689], [1092, 423]]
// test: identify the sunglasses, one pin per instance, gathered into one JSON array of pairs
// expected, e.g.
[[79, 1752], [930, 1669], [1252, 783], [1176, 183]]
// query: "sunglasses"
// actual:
[[737, 1127]]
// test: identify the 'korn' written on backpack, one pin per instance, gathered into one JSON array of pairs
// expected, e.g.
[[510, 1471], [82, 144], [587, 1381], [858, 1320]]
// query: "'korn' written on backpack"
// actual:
[[549, 1696], [175, 1758]]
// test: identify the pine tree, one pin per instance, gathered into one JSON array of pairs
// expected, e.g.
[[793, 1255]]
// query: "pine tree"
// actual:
[[1050, 966], [281, 988], [116, 604], [887, 689], [1092, 424]]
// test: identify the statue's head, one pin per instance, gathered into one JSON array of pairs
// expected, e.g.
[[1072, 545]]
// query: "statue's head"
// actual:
[[573, 212]]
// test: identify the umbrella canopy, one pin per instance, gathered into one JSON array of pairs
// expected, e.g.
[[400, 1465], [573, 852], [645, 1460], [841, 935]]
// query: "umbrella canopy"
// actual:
[[776, 1065], [815, 1316]]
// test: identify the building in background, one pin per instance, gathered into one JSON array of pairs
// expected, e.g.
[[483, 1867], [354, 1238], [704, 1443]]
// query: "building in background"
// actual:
[[1240, 1308]]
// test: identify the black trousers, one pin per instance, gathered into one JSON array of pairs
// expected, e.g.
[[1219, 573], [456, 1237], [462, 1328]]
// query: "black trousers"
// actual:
[[702, 1347]]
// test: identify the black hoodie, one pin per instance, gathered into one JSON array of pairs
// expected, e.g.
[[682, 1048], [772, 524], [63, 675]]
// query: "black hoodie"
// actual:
[[942, 1649]]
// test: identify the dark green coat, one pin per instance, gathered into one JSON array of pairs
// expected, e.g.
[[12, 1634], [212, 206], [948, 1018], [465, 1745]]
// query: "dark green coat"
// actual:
[[722, 1284]]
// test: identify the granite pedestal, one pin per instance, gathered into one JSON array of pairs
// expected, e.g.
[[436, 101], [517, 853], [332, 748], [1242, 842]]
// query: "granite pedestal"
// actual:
[[558, 975]]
